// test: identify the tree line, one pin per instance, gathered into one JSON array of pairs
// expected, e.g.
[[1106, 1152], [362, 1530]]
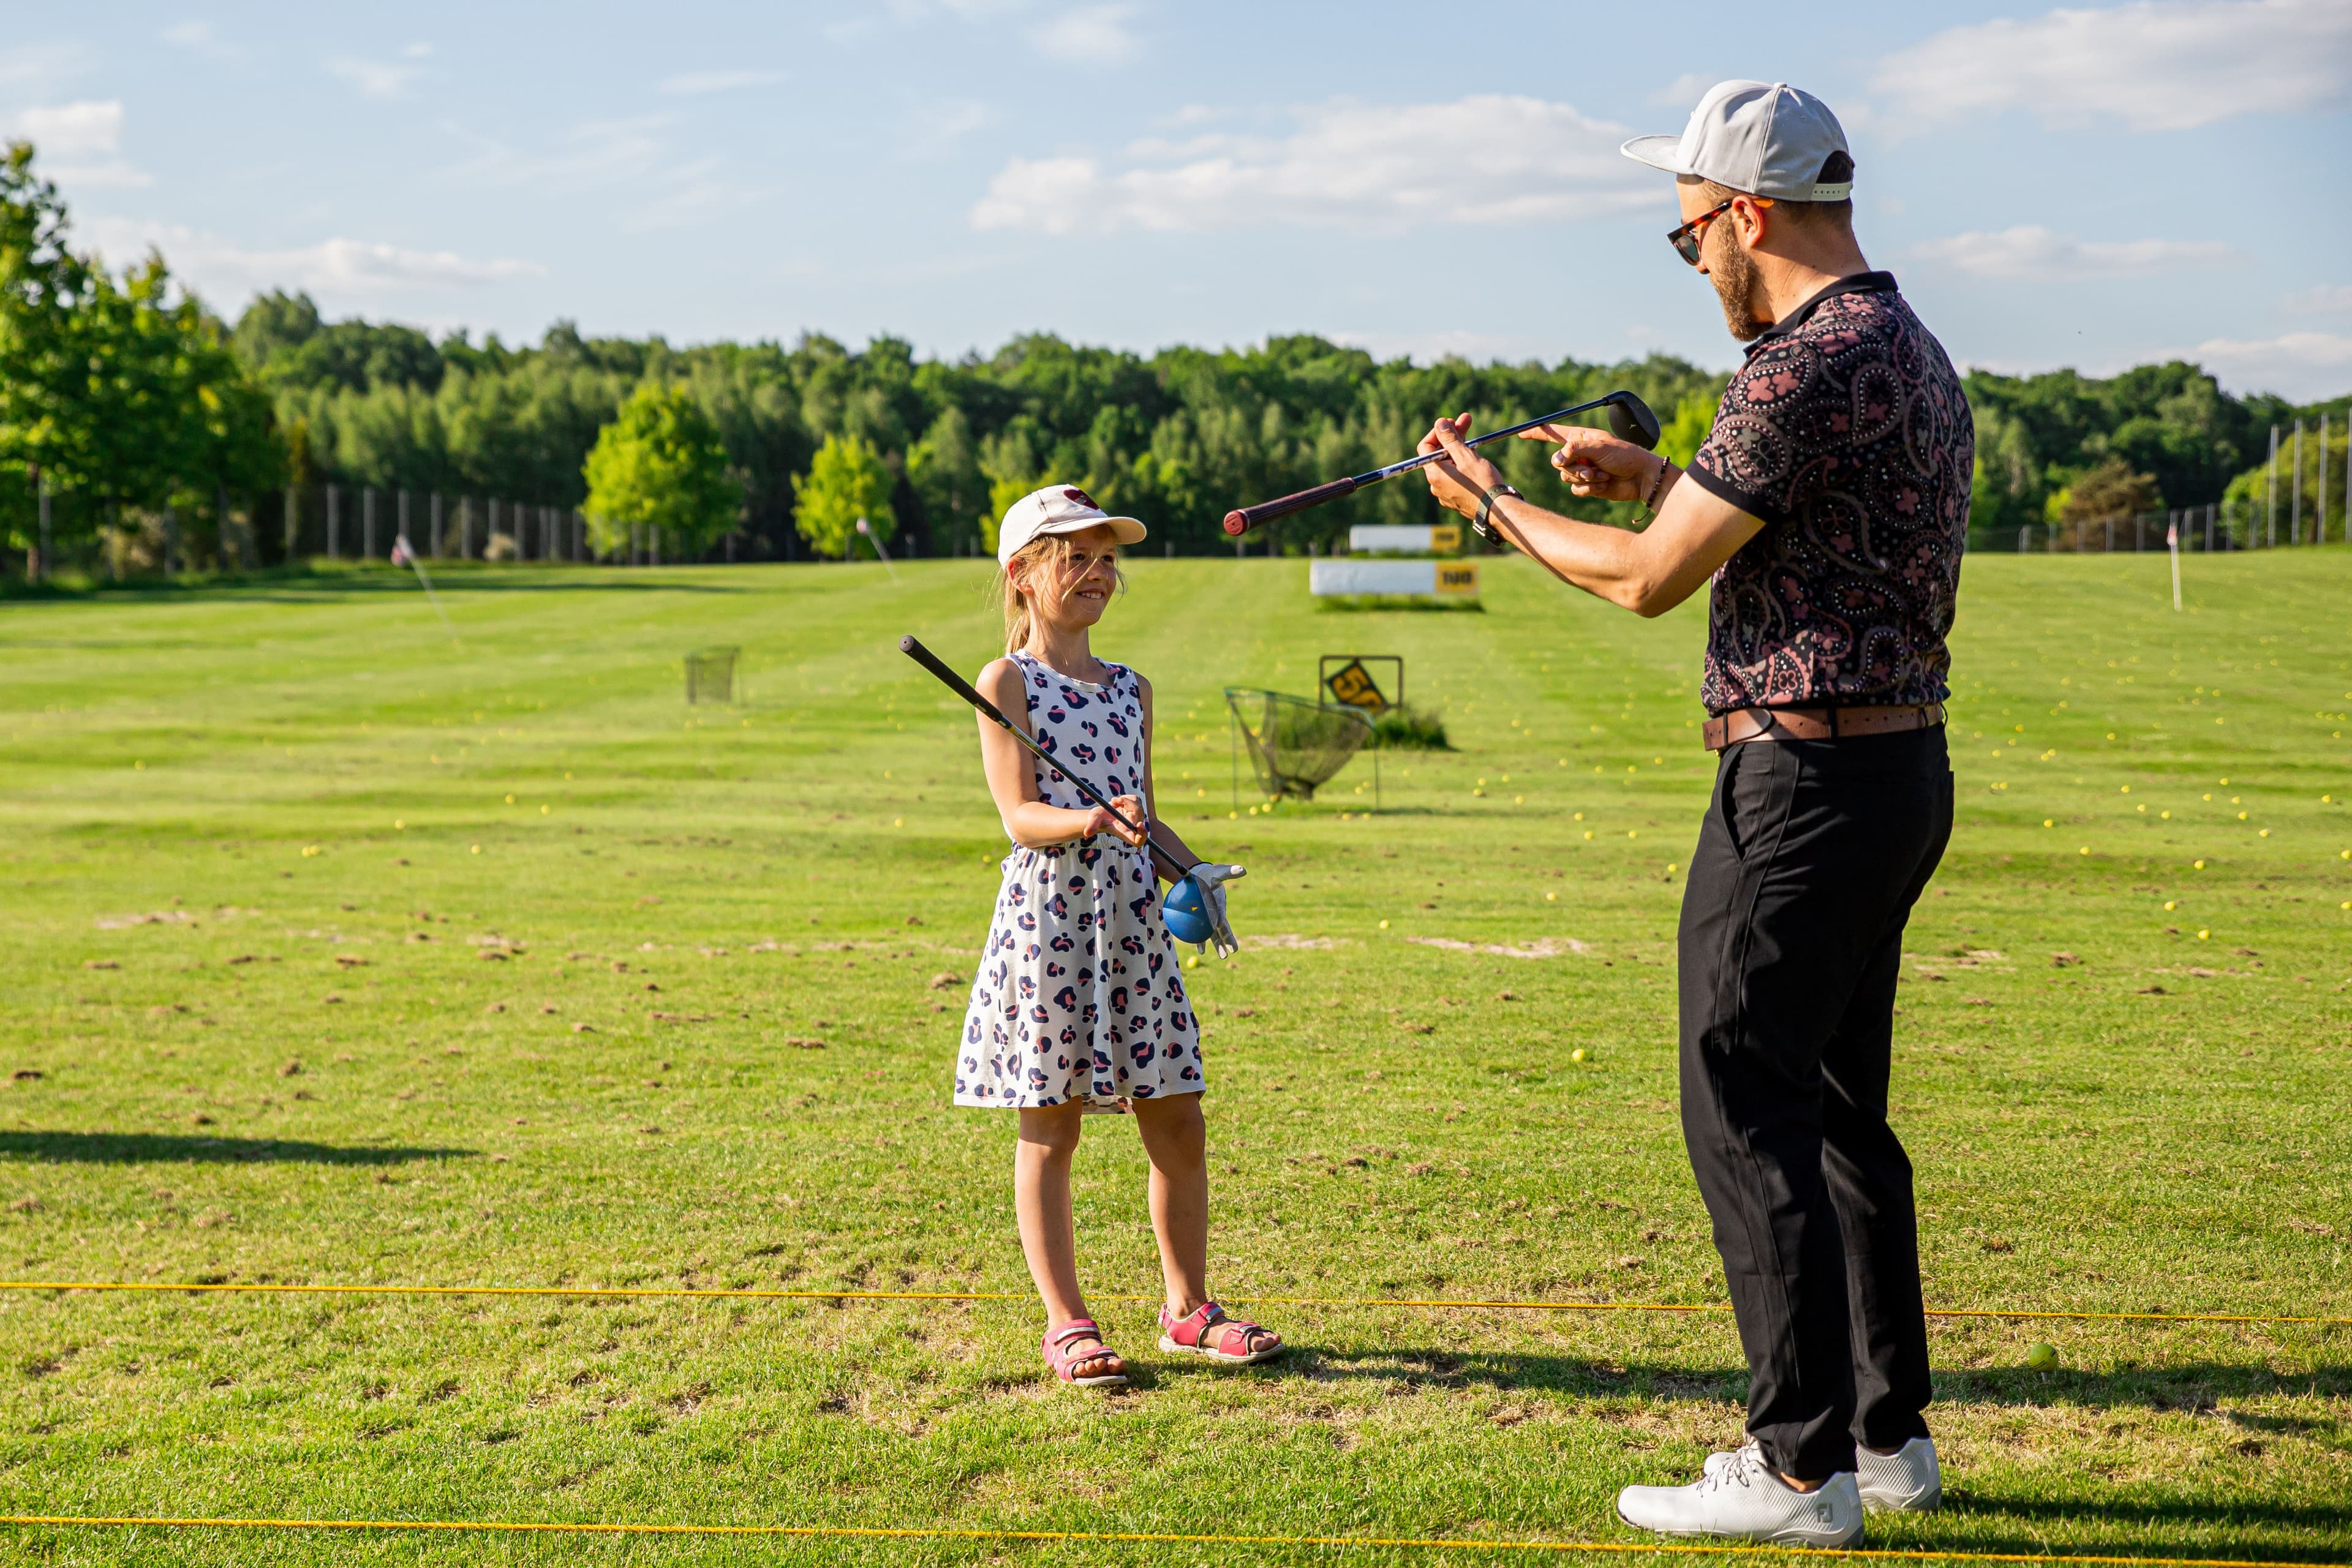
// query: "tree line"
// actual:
[[127, 401]]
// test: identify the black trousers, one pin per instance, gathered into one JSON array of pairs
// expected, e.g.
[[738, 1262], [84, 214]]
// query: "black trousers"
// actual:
[[1810, 859]]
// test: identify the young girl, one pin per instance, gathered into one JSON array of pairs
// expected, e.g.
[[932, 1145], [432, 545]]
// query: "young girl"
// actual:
[[1079, 1004]]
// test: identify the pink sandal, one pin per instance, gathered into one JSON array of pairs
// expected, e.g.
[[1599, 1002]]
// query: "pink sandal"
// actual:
[[1061, 1358], [1189, 1335]]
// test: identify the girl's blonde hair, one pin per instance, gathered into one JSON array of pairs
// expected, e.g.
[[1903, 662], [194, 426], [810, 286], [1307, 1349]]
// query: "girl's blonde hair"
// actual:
[[1048, 552]]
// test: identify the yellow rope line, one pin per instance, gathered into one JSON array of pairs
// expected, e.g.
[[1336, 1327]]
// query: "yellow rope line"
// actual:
[[659, 1293], [880, 1533]]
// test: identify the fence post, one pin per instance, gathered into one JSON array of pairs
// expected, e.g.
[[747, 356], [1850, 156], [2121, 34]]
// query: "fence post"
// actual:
[[45, 545], [2269, 490], [2295, 489], [334, 523], [2320, 535], [290, 545], [437, 525], [2208, 527], [400, 515], [367, 522], [170, 537]]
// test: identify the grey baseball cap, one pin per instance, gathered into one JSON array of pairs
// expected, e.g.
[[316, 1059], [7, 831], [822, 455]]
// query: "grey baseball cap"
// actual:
[[1765, 138]]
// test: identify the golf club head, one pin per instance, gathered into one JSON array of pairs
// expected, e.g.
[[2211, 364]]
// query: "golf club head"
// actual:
[[1629, 419]]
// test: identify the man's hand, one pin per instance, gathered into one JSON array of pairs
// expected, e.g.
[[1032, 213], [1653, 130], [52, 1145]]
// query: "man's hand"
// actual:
[[1464, 476], [1211, 879], [1594, 464]]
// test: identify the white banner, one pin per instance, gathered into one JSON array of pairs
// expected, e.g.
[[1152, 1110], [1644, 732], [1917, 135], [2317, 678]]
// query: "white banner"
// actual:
[[1413, 577]]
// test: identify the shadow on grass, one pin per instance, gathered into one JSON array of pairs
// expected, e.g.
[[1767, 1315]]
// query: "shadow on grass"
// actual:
[[2146, 1529], [161, 1148], [2192, 1387], [309, 588]]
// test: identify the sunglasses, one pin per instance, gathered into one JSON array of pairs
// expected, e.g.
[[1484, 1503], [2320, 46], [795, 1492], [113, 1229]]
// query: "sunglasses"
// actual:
[[1686, 240]]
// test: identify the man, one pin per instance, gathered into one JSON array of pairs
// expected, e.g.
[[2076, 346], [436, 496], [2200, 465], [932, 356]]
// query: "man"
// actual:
[[1829, 507]]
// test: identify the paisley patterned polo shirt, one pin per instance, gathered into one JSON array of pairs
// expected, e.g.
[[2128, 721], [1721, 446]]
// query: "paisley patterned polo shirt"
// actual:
[[1848, 434]]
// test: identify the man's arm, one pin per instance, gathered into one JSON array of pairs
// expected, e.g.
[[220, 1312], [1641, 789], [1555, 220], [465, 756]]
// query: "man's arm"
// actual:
[[1648, 573]]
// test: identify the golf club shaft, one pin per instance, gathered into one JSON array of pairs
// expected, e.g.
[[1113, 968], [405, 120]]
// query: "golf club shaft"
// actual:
[[915, 650], [1241, 521]]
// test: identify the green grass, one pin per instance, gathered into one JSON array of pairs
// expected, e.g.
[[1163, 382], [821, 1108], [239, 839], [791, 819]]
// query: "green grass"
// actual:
[[213, 799]]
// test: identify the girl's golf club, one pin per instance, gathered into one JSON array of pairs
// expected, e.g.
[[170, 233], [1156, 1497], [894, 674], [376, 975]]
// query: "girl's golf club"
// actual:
[[994, 715], [1629, 419]]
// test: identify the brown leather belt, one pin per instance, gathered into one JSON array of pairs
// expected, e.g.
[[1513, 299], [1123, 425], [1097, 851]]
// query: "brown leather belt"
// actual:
[[1744, 724]]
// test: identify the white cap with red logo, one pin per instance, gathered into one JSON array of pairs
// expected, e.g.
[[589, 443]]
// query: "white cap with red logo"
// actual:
[[1056, 508]]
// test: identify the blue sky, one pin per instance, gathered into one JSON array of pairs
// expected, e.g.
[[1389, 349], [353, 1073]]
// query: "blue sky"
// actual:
[[2093, 186]]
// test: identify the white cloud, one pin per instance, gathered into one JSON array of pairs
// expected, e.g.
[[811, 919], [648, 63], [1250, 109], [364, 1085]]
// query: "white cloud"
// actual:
[[633, 153], [588, 156], [375, 79], [2156, 65], [2327, 299], [38, 68], [78, 142], [346, 271], [2034, 253], [1090, 35], [2305, 366], [696, 84], [1683, 92], [936, 128], [1486, 159], [203, 39]]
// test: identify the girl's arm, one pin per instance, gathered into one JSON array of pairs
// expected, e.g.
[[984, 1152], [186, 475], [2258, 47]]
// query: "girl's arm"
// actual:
[[1162, 834], [1012, 778]]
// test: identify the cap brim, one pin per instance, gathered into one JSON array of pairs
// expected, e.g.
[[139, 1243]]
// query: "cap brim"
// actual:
[[1126, 530], [1658, 151]]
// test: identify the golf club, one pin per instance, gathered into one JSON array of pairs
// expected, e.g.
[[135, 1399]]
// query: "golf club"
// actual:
[[956, 683], [1629, 419]]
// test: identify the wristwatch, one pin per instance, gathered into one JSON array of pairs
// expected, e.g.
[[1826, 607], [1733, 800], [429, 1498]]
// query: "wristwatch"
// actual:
[[1487, 504]]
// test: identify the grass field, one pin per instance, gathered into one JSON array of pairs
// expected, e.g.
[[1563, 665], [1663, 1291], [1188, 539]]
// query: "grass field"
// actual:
[[336, 952]]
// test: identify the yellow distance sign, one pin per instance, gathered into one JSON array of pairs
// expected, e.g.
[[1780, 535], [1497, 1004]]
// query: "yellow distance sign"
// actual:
[[1445, 538], [1352, 684], [1458, 578]]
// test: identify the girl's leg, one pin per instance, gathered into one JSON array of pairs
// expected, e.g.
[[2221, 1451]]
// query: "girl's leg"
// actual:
[[1041, 1198], [1177, 1145]]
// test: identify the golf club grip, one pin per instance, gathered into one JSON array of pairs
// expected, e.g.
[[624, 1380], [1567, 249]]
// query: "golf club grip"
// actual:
[[1028, 742], [1243, 518]]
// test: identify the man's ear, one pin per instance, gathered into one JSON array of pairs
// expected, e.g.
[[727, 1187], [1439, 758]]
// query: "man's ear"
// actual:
[[1754, 214]]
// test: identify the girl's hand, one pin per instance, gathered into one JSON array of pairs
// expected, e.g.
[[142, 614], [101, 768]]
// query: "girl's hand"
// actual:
[[1101, 821]]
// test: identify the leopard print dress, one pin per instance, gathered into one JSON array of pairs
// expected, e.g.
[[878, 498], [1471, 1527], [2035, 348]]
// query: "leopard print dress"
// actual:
[[1079, 995]]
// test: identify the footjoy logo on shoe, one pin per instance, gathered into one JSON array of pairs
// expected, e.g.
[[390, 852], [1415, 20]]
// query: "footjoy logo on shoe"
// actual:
[[1823, 1512]]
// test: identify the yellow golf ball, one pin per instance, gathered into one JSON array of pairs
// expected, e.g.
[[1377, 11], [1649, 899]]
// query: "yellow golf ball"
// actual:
[[2040, 1356]]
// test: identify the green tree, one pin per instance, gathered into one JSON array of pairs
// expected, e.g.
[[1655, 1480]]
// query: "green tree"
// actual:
[[1686, 429], [847, 480], [43, 286], [661, 464]]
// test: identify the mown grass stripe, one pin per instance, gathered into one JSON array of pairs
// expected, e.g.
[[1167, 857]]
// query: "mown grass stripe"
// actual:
[[1441, 1302], [1134, 1538]]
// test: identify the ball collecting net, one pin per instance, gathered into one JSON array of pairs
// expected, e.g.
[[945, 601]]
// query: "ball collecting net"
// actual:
[[1295, 743]]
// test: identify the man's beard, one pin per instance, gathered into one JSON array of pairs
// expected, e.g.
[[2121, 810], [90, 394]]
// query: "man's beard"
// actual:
[[1733, 272]]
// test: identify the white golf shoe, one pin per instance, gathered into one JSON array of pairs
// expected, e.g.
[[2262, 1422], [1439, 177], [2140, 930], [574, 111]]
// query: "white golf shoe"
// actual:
[[1905, 1481], [1737, 1496]]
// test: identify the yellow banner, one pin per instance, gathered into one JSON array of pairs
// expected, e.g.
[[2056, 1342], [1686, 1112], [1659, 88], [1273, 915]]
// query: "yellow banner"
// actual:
[[1445, 538], [1458, 577]]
